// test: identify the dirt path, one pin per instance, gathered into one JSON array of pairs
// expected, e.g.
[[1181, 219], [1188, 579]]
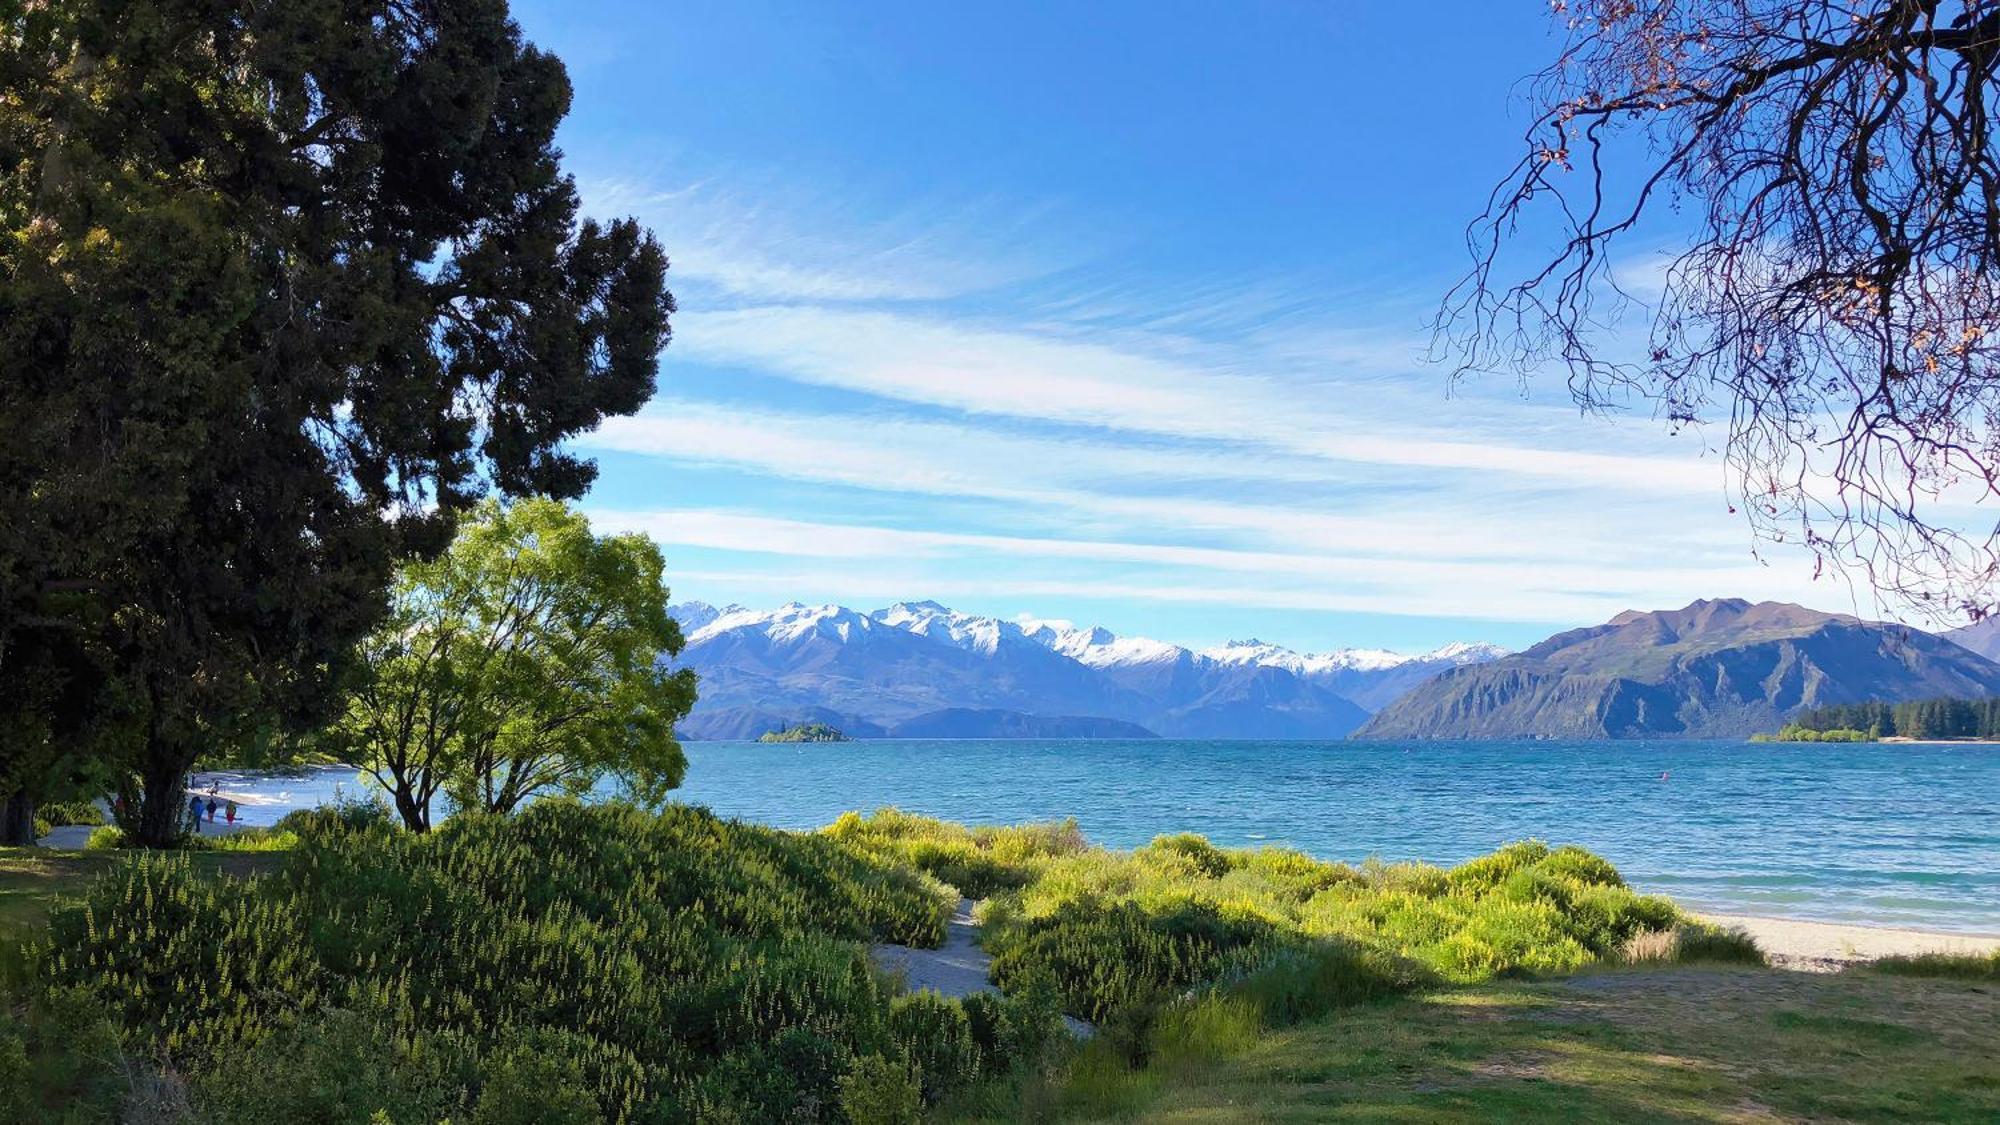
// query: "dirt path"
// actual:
[[956, 969]]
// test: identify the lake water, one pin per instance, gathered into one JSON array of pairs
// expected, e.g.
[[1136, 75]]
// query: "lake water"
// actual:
[[1883, 834]]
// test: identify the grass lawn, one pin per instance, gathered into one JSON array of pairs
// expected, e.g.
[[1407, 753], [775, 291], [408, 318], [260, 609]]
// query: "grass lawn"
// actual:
[[1674, 1044], [31, 879]]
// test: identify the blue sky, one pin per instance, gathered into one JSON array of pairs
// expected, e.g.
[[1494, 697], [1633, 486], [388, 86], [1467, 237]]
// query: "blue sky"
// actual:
[[1113, 312]]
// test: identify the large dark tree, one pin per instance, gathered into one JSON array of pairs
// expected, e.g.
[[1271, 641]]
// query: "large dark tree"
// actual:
[[1825, 179], [283, 287]]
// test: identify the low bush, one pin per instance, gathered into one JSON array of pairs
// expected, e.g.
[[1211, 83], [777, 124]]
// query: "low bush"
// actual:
[[1689, 942], [1948, 966], [60, 813], [978, 861], [604, 960], [61, 1060], [354, 814], [112, 838], [1109, 957], [881, 1091]]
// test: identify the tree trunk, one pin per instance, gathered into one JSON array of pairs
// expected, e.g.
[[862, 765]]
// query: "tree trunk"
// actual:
[[162, 798], [416, 814], [17, 820]]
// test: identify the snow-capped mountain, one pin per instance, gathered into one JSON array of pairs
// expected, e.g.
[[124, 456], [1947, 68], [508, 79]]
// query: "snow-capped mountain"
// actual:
[[926, 667]]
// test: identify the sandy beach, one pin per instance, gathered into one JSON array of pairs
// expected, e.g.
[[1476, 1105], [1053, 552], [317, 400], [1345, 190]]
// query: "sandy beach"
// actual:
[[1828, 946]]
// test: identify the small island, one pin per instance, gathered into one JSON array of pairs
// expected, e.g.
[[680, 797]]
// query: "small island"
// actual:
[[804, 732]]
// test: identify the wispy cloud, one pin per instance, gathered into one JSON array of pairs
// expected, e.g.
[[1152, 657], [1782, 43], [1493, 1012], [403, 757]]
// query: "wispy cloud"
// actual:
[[981, 370], [1256, 442], [1171, 490], [771, 242]]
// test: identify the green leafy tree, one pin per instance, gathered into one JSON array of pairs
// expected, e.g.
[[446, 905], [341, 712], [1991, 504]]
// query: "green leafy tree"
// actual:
[[527, 659], [284, 287]]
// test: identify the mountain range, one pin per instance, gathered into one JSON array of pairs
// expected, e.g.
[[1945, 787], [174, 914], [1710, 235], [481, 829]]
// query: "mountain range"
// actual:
[[1717, 669], [919, 669]]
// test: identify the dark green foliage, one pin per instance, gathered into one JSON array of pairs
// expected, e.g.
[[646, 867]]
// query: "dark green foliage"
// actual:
[[804, 732], [934, 1035], [881, 1091], [604, 959], [71, 812], [283, 287], [338, 1065], [341, 816], [61, 1061], [1303, 981], [1915, 718], [1702, 942], [1108, 957], [1014, 1030]]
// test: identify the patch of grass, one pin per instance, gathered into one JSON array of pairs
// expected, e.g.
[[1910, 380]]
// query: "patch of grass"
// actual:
[[1667, 1044], [1847, 1027], [1948, 966], [35, 880]]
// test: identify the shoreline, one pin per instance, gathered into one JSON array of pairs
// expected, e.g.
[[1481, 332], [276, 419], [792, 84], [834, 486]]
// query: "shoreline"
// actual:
[[1793, 943]]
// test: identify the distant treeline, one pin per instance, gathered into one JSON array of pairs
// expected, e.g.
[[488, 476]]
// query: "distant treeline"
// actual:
[[1922, 718]]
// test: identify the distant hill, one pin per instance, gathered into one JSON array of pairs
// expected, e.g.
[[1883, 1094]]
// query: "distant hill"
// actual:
[[1982, 637], [970, 722], [1717, 669], [870, 674]]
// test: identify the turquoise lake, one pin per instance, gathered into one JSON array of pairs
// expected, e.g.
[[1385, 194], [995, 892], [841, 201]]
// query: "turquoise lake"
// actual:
[[1905, 835]]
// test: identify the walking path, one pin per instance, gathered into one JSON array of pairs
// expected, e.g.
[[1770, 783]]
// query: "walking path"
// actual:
[[957, 969], [74, 836]]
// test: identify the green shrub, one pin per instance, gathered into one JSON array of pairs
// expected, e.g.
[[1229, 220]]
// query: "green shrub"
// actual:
[[1203, 1030], [540, 1080], [60, 1060], [1014, 1031], [339, 1065], [978, 862], [1104, 958], [1948, 966], [880, 1091], [1703, 941], [1187, 852], [345, 814], [613, 960], [71, 812], [934, 1035], [1299, 982]]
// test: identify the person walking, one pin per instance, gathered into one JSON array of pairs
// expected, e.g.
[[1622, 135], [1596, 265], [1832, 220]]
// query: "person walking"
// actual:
[[229, 812], [211, 810], [194, 812]]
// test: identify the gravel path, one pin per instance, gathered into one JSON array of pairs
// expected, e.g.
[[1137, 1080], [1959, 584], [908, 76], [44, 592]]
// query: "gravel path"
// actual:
[[76, 835], [956, 969]]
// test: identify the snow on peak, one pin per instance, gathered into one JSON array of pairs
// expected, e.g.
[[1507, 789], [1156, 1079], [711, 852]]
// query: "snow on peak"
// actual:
[[967, 631], [1464, 652], [789, 623], [1094, 646]]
